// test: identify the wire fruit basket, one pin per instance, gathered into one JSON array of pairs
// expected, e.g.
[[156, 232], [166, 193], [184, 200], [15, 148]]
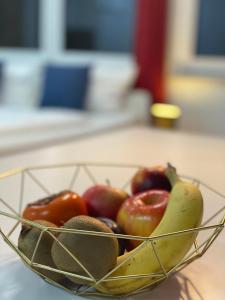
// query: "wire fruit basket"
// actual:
[[32, 183]]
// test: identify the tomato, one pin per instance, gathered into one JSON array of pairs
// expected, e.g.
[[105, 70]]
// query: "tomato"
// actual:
[[58, 208]]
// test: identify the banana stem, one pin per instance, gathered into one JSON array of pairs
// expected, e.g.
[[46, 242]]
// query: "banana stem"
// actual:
[[171, 173]]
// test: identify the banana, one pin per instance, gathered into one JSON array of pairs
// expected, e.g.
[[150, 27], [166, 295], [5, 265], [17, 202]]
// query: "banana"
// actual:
[[184, 211]]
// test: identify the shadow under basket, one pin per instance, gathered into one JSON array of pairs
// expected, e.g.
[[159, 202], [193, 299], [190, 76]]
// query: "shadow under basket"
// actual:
[[32, 183]]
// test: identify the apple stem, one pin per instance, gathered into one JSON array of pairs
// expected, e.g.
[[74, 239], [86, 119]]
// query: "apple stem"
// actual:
[[171, 173], [108, 182]]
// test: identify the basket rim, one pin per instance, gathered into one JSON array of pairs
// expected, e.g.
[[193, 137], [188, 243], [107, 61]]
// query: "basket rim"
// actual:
[[106, 234], [14, 171], [86, 164]]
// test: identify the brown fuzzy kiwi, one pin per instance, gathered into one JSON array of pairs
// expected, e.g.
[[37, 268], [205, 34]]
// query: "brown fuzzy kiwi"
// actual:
[[27, 241], [97, 254]]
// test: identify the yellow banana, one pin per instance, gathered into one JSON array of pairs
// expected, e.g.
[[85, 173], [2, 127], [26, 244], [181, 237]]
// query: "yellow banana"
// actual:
[[184, 211]]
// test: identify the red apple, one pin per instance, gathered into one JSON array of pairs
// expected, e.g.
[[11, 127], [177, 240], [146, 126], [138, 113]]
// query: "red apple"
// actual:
[[150, 178], [140, 214], [104, 201]]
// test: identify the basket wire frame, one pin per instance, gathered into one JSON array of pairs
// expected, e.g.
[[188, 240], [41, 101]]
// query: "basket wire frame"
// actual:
[[157, 278]]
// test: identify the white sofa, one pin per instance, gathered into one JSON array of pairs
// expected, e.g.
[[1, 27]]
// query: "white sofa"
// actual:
[[111, 103]]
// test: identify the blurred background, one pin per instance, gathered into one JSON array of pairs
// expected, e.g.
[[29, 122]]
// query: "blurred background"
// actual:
[[69, 68]]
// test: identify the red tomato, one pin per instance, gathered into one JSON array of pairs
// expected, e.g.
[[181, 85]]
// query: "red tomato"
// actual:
[[57, 209]]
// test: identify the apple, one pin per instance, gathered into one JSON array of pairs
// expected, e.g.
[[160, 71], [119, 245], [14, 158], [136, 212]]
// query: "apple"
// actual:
[[104, 201], [150, 178], [140, 214], [117, 230]]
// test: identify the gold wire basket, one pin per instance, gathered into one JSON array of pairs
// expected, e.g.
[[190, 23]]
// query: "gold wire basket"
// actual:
[[21, 186]]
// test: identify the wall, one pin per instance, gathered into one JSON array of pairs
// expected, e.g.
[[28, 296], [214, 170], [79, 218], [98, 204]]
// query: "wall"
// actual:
[[202, 101], [197, 85]]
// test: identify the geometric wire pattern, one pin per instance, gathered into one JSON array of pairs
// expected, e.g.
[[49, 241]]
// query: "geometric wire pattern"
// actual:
[[198, 250]]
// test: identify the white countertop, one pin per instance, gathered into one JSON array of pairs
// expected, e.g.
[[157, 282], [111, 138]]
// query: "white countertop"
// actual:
[[202, 157]]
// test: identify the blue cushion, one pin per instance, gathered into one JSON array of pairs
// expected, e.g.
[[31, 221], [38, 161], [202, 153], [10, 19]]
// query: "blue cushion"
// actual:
[[65, 86]]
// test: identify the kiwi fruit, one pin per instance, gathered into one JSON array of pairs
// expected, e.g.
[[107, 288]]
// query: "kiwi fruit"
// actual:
[[98, 254], [27, 241]]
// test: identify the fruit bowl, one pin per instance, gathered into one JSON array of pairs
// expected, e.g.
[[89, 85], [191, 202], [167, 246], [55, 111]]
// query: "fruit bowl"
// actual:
[[20, 186]]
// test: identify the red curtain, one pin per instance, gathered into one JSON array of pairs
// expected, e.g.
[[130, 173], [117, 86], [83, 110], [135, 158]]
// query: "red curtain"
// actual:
[[150, 46]]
